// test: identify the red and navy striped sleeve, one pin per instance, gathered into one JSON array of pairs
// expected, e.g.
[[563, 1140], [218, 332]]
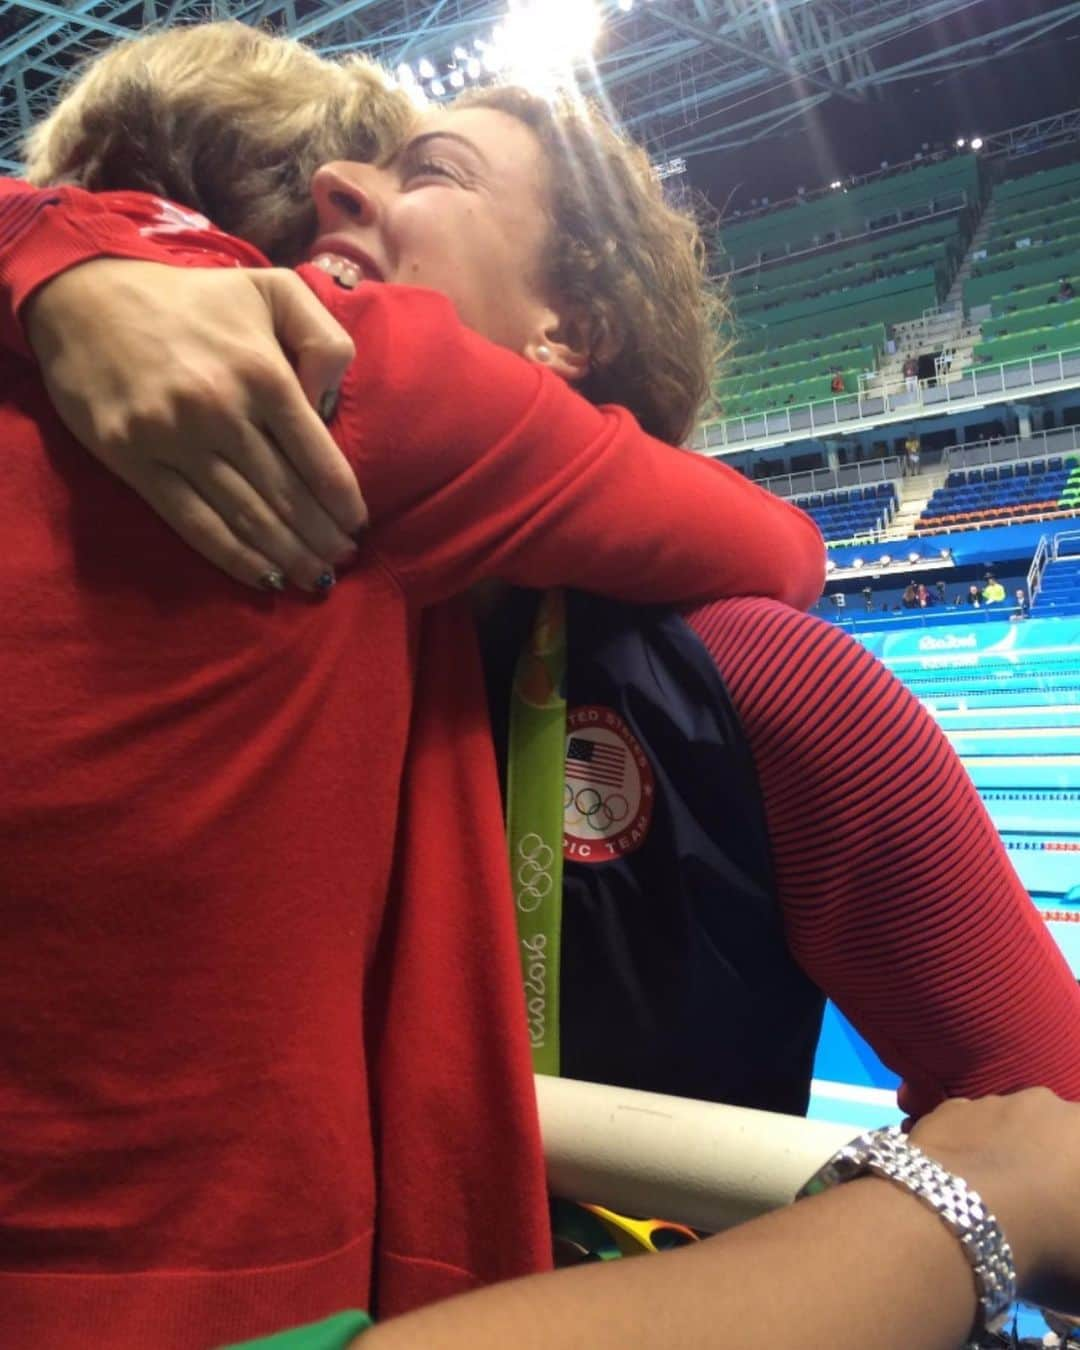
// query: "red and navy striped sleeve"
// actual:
[[898, 896]]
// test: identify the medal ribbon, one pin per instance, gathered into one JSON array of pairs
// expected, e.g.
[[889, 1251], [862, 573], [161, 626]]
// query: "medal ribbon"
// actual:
[[534, 821]]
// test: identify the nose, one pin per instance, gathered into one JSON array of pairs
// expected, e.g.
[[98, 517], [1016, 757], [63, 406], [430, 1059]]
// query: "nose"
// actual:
[[345, 193]]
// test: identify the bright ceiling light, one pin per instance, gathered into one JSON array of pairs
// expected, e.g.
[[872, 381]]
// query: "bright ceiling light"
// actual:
[[960, 142], [541, 41], [437, 88], [976, 142], [536, 43]]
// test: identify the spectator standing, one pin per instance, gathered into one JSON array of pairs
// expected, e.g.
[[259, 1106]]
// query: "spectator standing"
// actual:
[[911, 374], [837, 383], [912, 453], [1065, 290], [910, 598], [974, 596], [1023, 606]]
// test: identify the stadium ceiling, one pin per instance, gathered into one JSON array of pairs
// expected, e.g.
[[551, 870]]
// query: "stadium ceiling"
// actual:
[[689, 76]]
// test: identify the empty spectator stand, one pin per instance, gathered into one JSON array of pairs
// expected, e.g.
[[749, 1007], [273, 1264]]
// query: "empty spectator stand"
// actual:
[[844, 517], [1031, 489], [1014, 284], [812, 288], [850, 214]]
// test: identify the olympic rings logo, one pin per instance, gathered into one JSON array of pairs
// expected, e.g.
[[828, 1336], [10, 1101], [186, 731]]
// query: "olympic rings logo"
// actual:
[[533, 874], [599, 811]]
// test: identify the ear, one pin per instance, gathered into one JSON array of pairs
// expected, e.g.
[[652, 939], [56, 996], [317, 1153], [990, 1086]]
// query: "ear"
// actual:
[[561, 342]]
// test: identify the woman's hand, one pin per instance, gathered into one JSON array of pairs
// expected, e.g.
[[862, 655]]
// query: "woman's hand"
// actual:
[[176, 380], [1022, 1154]]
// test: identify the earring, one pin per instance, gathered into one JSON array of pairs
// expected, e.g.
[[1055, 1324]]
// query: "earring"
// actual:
[[543, 353]]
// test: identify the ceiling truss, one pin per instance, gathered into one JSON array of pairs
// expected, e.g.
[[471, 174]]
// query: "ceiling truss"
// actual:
[[687, 76]]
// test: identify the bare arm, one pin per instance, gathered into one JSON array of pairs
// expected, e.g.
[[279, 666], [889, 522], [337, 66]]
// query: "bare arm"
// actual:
[[866, 1264]]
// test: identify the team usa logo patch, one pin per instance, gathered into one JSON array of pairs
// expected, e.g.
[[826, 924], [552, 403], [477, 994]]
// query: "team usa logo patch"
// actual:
[[609, 790]]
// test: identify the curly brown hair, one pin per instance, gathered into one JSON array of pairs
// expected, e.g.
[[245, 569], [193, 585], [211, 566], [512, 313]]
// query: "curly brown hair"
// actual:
[[624, 257], [223, 118]]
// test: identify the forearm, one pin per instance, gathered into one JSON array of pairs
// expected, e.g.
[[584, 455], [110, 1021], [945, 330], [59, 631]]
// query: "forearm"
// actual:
[[475, 464], [863, 1265], [499, 470]]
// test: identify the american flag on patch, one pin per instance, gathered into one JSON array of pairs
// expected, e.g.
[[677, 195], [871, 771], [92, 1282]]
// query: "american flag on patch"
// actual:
[[595, 763]]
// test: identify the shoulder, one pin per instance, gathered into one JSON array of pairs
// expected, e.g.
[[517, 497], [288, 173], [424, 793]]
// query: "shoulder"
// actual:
[[792, 672], [186, 234], [727, 627]]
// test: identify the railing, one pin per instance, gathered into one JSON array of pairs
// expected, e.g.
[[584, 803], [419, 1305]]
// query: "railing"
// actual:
[[1039, 445], [988, 453], [697, 1163], [943, 616], [1037, 568], [1070, 539], [863, 472], [895, 400], [870, 381], [943, 362]]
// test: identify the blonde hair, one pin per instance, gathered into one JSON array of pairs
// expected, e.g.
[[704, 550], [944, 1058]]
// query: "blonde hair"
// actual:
[[627, 263], [223, 118]]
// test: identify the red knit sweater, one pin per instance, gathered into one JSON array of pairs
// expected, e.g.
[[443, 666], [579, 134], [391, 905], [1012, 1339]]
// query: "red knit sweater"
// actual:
[[266, 1051]]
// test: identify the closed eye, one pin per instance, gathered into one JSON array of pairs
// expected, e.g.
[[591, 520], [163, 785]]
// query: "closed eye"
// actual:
[[432, 168]]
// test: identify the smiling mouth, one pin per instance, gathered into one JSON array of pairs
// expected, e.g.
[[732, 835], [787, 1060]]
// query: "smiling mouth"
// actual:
[[347, 270]]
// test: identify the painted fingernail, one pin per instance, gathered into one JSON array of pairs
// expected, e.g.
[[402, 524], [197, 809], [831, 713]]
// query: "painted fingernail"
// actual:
[[274, 580], [328, 404], [326, 583]]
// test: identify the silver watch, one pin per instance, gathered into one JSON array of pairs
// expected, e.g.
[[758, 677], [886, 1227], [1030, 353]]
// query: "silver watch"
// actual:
[[888, 1153]]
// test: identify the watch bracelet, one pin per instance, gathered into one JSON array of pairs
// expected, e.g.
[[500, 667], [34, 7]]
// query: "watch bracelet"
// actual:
[[887, 1153]]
